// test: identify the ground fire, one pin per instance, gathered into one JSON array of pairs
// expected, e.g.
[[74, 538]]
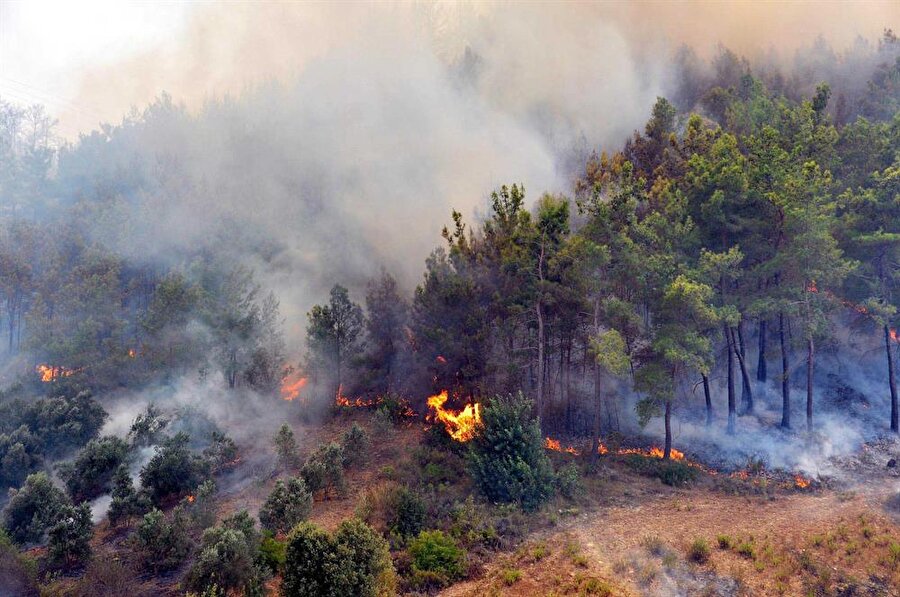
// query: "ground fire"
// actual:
[[460, 425], [52, 372]]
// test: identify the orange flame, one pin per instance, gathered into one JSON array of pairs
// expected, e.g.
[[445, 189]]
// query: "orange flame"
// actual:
[[52, 373], [191, 499], [132, 353], [894, 336], [440, 359], [553, 444], [291, 386], [811, 287], [801, 482], [459, 425], [342, 400]]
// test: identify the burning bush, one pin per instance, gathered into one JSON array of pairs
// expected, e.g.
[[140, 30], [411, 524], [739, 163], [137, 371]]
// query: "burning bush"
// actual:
[[507, 458], [353, 561], [89, 475], [287, 505]]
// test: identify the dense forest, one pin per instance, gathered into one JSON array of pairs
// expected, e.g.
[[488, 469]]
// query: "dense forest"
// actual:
[[715, 270]]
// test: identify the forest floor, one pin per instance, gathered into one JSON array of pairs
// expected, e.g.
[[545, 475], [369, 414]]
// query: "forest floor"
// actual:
[[630, 534]]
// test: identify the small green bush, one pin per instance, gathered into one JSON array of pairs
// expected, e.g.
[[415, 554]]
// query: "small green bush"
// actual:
[[438, 554], [699, 551], [507, 459], [510, 576], [355, 445], [324, 470], [272, 552], [724, 541], [406, 513], [288, 504], [227, 558], [174, 470], [90, 474], [568, 481], [670, 472], [69, 539], [162, 544], [33, 509]]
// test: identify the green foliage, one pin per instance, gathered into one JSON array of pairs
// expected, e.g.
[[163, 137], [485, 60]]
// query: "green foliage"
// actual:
[[69, 539], [173, 470], [355, 445], [569, 482], [162, 543], [90, 474], [288, 504], [33, 430], [406, 512], [699, 551], [148, 427], [670, 472], [436, 556], [125, 501], [227, 559], [34, 509], [333, 334], [272, 552], [324, 469], [507, 458], [353, 561], [286, 447], [18, 573], [221, 452]]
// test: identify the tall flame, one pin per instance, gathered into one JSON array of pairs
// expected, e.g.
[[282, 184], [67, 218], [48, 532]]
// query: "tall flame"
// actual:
[[291, 386], [459, 425]]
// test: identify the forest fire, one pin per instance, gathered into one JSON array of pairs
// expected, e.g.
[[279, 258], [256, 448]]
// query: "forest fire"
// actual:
[[653, 452], [51, 373], [291, 386], [554, 445], [341, 400], [459, 425], [801, 482], [191, 499]]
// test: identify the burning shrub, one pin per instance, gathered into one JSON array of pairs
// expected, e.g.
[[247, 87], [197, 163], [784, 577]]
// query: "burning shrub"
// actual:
[[436, 559], [227, 558], [174, 470], [355, 444], [33, 509], [353, 561], [69, 539], [160, 543], [324, 469], [507, 458], [89, 475], [287, 505], [286, 447]]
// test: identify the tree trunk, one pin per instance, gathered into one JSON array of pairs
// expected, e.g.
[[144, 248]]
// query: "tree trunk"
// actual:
[[709, 406], [810, 364], [667, 450], [732, 407], [540, 361], [785, 376], [895, 424], [598, 403], [761, 362], [746, 390]]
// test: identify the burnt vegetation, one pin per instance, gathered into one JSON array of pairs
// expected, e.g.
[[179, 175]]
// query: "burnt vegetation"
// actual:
[[712, 273]]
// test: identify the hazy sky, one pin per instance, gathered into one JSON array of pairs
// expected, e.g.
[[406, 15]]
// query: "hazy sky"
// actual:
[[90, 60]]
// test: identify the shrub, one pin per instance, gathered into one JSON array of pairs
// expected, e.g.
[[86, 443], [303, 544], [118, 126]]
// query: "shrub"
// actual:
[[699, 551], [69, 538], [568, 481], [510, 576], [174, 470], [286, 447], [227, 558], [670, 472], [355, 445], [33, 509], [287, 505], [18, 573], [125, 501], [405, 512], [221, 452], [89, 475], [272, 552], [438, 555], [148, 427], [108, 578], [324, 469], [507, 458], [724, 541], [162, 544], [354, 561]]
